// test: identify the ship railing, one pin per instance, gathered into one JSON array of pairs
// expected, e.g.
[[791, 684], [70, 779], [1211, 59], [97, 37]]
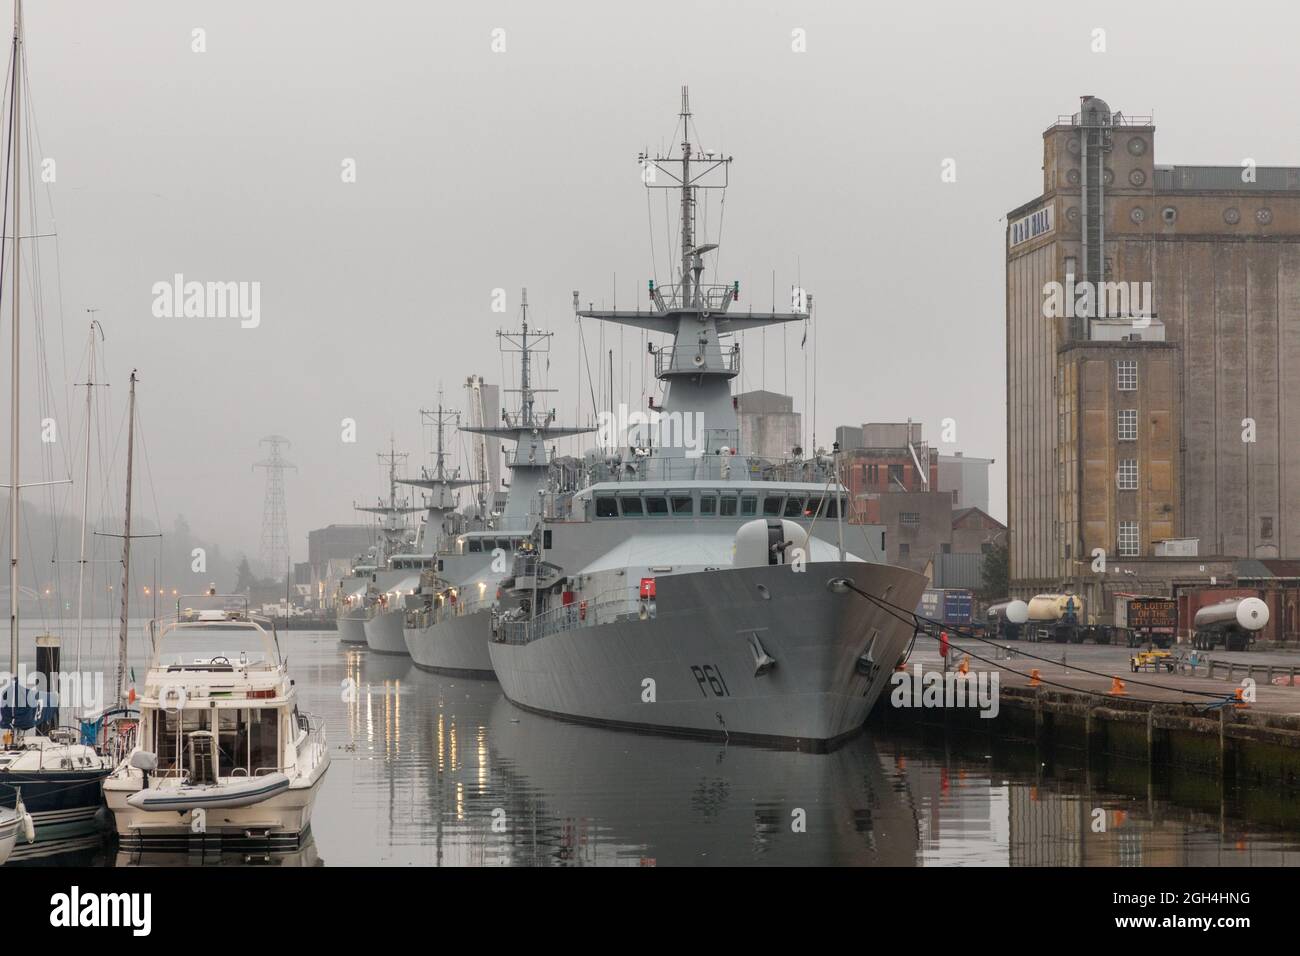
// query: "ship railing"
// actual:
[[618, 604], [670, 358], [313, 740], [713, 298]]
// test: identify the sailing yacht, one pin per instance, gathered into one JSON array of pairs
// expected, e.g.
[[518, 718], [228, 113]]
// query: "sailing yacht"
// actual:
[[223, 748], [42, 764], [449, 628], [691, 589]]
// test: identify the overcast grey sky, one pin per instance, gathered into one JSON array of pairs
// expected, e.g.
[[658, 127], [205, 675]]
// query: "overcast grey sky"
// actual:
[[478, 170]]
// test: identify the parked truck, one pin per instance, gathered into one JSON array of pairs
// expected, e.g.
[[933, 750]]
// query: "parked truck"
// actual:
[[1234, 622], [951, 606], [1056, 617], [1144, 619]]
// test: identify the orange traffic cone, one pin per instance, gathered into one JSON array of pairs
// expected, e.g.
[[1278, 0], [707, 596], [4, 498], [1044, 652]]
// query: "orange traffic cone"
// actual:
[[1117, 688], [1033, 678]]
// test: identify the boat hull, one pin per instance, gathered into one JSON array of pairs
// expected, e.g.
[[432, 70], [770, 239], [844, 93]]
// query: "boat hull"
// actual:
[[62, 803], [280, 820], [352, 630], [693, 668], [384, 632], [9, 827], [457, 646]]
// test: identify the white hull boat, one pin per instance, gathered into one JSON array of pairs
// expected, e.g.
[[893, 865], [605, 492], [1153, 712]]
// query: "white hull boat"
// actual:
[[223, 751]]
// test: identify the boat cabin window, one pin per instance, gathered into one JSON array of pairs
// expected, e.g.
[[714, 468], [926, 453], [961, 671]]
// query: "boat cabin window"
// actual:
[[247, 739], [728, 506], [794, 507], [748, 506], [606, 506], [832, 510], [708, 505], [772, 506], [656, 506], [814, 507], [632, 506], [263, 740], [683, 506], [474, 546]]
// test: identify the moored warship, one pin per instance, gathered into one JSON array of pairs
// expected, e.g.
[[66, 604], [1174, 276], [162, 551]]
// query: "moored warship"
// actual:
[[689, 589]]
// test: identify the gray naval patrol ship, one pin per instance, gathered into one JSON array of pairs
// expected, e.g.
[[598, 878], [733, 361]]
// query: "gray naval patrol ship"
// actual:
[[400, 576], [691, 590], [374, 573], [448, 630]]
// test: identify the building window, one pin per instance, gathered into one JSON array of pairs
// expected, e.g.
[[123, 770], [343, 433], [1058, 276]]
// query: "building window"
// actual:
[[896, 474], [1266, 527], [1128, 424], [945, 548], [909, 517], [873, 474], [1128, 539], [1126, 375], [903, 550], [1128, 474]]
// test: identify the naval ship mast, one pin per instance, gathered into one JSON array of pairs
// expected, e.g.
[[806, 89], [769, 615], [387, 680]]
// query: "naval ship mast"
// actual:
[[527, 429], [697, 368], [442, 485], [391, 527]]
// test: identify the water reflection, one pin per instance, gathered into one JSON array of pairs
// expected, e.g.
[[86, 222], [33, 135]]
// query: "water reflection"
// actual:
[[430, 770]]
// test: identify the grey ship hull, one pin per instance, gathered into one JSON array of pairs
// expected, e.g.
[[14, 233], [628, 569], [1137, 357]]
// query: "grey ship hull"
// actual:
[[456, 645], [834, 653], [352, 630], [695, 798], [383, 632]]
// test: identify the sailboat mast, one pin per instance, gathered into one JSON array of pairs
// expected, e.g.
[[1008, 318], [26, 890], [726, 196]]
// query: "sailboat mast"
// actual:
[[85, 497], [15, 113], [126, 548]]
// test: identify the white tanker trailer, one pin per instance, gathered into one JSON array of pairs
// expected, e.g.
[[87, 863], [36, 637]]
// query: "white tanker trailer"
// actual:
[[1056, 617], [1235, 622], [1006, 619]]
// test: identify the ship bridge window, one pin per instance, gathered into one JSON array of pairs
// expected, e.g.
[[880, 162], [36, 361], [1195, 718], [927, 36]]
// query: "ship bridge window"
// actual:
[[772, 506], [813, 507], [631, 506], [794, 506], [505, 544], [606, 506], [473, 546], [656, 506], [729, 506], [748, 506], [832, 508], [708, 505], [683, 507]]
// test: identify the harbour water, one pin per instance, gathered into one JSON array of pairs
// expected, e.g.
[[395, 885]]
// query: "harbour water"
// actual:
[[430, 771]]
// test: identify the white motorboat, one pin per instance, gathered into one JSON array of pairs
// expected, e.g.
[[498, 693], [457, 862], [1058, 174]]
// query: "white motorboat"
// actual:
[[222, 749]]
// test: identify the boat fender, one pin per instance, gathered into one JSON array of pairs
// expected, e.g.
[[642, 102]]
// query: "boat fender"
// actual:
[[29, 825]]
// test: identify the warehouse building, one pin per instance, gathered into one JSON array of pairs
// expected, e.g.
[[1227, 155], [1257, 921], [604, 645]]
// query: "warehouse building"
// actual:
[[1151, 313]]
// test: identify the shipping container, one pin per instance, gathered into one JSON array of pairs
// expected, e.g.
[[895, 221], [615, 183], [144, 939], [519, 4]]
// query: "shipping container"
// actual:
[[953, 606]]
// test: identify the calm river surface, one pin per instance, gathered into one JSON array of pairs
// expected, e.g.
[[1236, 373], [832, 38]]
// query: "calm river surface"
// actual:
[[431, 771]]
